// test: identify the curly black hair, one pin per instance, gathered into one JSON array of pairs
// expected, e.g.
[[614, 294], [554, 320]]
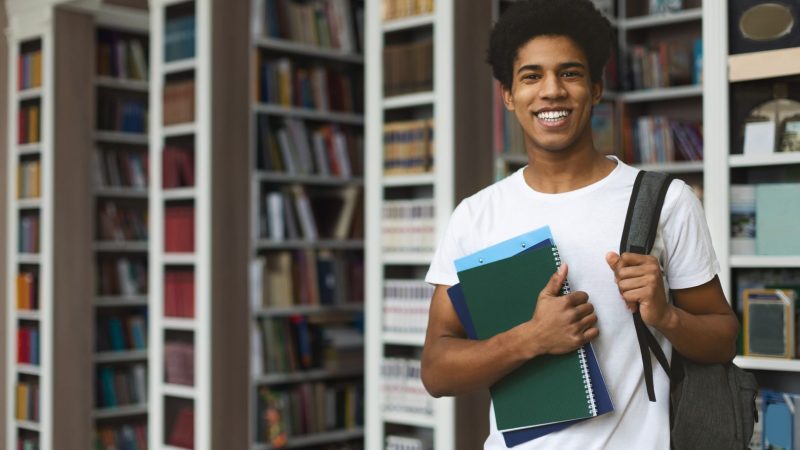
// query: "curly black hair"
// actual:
[[524, 20]]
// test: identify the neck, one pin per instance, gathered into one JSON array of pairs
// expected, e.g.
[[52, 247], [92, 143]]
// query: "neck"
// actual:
[[564, 171]]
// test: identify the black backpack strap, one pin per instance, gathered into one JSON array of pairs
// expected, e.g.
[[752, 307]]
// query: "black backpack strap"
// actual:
[[638, 236]]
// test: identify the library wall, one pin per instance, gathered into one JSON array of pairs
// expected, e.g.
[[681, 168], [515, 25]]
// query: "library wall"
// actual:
[[3, 207], [72, 232]]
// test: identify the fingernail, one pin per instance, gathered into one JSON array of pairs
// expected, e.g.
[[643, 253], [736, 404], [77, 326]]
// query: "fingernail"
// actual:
[[561, 270]]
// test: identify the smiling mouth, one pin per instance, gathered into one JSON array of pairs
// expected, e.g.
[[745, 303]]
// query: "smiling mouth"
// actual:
[[553, 116]]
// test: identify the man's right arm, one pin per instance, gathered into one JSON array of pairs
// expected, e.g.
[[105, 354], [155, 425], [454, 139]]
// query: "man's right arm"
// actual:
[[453, 365]]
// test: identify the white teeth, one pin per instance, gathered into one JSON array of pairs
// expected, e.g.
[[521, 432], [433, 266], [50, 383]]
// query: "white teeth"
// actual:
[[552, 115]]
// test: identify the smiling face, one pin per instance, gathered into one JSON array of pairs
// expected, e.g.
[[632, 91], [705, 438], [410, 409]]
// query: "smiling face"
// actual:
[[552, 95]]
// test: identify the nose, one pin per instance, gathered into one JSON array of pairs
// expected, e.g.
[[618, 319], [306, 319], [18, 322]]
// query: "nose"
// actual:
[[552, 87]]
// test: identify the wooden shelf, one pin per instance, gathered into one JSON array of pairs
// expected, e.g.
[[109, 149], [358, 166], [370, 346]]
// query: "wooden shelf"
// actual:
[[766, 64], [421, 179], [300, 48], [29, 369], [316, 439], [331, 244], [760, 261], [310, 179], [120, 301], [661, 94], [308, 310], [772, 159], [122, 84], [121, 246], [181, 129], [760, 363], [33, 148], [409, 339], [658, 20], [29, 258], [121, 137], [121, 192], [674, 167], [28, 94], [120, 356], [309, 114], [187, 193], [181, 65], [178, 390], [29, 314], [410, 259], [414, 420], [311, 375], [29, 203], [120, 411], [408, 23], [409, 100], [179, 258], [28, 425], [178, 323]]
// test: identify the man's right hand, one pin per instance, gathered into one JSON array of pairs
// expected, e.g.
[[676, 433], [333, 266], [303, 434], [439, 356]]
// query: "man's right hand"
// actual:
[[562, 323]]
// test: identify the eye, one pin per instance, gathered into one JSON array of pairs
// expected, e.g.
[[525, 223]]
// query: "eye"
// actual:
[[531, 76], [571, 74]]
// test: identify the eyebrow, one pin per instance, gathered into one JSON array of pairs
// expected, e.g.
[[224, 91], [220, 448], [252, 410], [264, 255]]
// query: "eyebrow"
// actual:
[[562, 66]]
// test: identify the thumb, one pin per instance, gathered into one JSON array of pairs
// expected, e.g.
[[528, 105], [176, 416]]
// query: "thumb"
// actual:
[[612, 259], [553, 287]]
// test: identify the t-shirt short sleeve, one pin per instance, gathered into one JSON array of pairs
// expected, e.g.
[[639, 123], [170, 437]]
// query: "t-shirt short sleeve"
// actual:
[[690, 257], [451, 247]]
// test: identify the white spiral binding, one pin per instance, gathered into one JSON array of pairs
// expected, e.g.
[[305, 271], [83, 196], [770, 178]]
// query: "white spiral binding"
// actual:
[[587, 380]]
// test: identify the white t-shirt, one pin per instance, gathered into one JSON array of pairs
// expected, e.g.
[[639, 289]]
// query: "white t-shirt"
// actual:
[[586, 224]]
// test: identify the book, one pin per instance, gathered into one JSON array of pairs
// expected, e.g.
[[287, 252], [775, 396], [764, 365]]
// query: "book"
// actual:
[[777, 214], [549, 389], [769, 322]]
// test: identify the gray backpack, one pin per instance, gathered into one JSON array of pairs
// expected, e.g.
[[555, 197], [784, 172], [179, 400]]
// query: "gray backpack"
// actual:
[[712, 406]]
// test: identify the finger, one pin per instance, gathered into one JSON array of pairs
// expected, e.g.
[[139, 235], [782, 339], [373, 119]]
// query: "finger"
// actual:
[[632, 306], [636, 295], [635, 259], [612, 259], [629, 284], [553, 287], [587, 322], [577, 298], [643, 270], [590, 334], [583, 310]]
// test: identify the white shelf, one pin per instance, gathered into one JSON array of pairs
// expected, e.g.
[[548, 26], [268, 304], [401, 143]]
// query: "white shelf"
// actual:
[[187, 193], [414, 259], [311, 375], [656, 20], [766, 64], [28, 94], [121, 246], [29, 203], [29, 149], [760, 363], [760, 261], [120, 356], [421, 179], [181, 129], [772, 159], [29, 369], [29, 258], [414, 420], [281, 177], [409, 100], [179, 258], [110, 301], [674, 167], [121, 192], [407, 23], [307, 310], [410, 339], [316, 439], [177, 323], [268, 244], [28, 425], [299, 48], [122, 84], [120, 411], [29, 314], [181, 65], [121, 137], [177, 390], [660, 94], [309, 114]]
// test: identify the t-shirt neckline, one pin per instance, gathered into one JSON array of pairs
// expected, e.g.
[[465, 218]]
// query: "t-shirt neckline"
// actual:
[[520, 181]]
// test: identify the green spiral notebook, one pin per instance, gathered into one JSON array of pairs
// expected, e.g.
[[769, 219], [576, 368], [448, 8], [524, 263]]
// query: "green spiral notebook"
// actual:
[[550, 388]]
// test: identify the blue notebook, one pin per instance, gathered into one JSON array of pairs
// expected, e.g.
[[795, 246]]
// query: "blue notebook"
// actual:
[[529, 241]]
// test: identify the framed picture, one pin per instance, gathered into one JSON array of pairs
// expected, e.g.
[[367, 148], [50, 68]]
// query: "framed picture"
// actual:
[[790, 134]]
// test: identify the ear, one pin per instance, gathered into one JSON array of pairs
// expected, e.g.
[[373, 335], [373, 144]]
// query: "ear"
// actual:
[[508, 98], [597, 91]]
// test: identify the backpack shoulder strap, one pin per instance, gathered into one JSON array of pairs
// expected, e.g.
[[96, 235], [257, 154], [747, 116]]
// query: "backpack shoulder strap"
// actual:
[[638, 236]]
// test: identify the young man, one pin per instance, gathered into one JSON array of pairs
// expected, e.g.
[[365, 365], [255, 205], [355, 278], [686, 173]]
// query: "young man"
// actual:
[[549, 56]]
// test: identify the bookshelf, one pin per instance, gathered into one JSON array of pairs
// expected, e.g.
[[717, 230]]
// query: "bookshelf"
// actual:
[[727, 75], [403, 178], [197, 274], [48, 221], [306, 165], [120, 201]]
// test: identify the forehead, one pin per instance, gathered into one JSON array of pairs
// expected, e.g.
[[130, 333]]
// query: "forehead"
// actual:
[[549, 50]]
